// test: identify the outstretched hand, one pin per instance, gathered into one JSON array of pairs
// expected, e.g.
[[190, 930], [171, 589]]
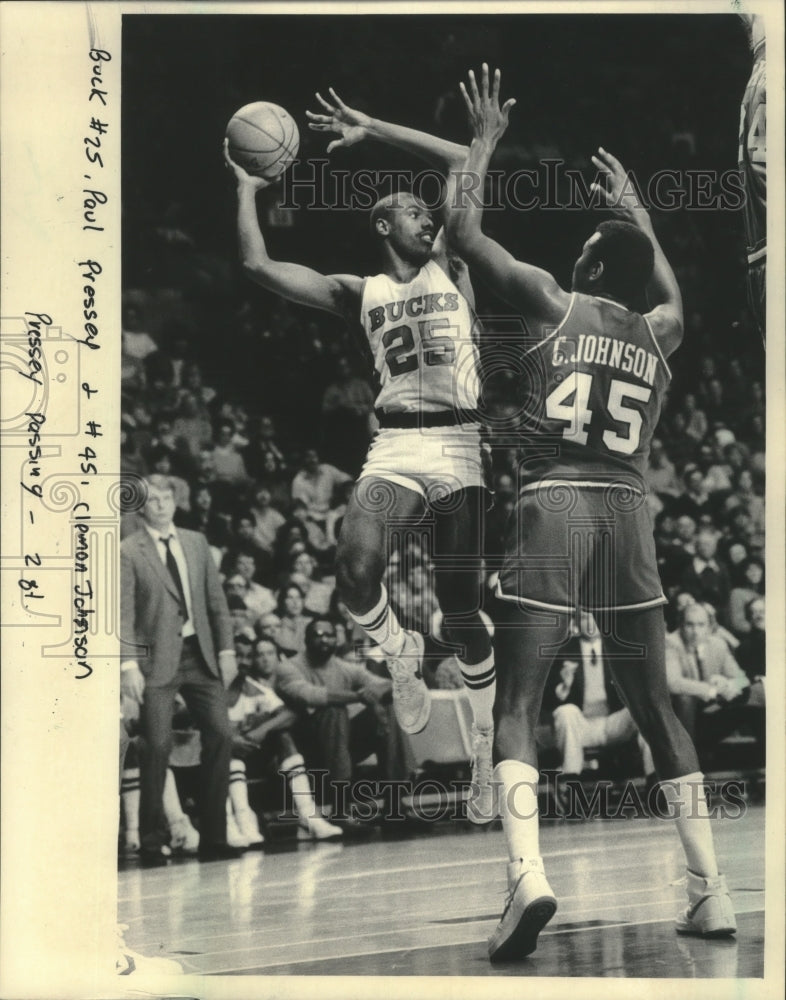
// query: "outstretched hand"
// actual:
[[487, 120], [351, 125], [243, 176], [619, 192]]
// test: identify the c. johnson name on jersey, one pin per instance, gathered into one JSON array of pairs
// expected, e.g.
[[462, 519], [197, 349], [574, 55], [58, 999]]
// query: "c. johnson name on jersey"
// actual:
[[602, 350]]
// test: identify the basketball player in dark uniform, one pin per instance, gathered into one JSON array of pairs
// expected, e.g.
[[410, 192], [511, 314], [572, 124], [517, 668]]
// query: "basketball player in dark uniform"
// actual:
[[753, 165], [415, 320], [581, 535]]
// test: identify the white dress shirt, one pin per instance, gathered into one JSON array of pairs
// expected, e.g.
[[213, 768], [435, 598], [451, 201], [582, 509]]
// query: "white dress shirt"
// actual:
[[180, 559]]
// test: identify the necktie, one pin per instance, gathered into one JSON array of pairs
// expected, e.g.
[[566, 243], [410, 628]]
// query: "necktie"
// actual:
[[174, 572]]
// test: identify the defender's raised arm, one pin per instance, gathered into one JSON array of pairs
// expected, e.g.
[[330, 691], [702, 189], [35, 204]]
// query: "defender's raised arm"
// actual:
[[528, 288]]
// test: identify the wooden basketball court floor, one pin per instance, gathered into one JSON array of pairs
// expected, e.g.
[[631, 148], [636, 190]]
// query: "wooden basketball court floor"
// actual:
[[425, 904]]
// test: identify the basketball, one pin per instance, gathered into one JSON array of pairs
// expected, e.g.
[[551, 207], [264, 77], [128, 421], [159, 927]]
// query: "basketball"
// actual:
[[263, 139]]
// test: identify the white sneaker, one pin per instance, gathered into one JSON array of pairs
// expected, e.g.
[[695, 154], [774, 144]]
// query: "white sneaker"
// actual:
[[709, 912], [481, 807], [248, 825], [317, 828], [235, 836], [531, 904], [411, 697], [183, 836], [129, 962]]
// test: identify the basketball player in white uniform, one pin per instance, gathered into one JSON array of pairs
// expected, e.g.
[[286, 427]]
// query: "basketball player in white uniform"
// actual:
[[424, 467]]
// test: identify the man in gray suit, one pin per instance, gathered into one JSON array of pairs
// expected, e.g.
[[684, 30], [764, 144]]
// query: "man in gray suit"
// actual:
[[178, 633]]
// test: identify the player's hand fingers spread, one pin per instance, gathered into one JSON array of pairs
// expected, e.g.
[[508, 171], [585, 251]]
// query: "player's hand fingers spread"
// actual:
[[511, 101], [601, 165], [467, 100], [611, 160], [337, 99], [473, 86], [324, 103], [484, 69], [336, 144], [495, 86], [325, 119]]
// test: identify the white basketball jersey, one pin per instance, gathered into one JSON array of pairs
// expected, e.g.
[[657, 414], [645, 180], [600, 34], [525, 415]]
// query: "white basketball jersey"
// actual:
[[420, 336]]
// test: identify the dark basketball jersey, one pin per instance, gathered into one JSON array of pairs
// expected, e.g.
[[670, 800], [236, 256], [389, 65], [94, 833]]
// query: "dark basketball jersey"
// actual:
[[592, 395], [753, 157]]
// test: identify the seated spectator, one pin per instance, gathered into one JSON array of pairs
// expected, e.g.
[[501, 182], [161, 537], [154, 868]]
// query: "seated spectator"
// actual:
[[743, 497], [315, 533], [585, 707], [290, 609], [163, 436], [717, 474], [135, 346], [748, 584], [262, 725], [263, 444], [752, 651], [258, 599], [314, 484], [235, 414], [192, 382], [270, 475], [317, 593], [707, 686], [674, 551], [320, 688], [661, 476], [718, 630], [192, 424], [681, 446], [227, 461], [706, 577], [267, 520], [245, 540], [269, 627], [199, 516], [242, 618], [696, 499], [159, 395], [695, 419]]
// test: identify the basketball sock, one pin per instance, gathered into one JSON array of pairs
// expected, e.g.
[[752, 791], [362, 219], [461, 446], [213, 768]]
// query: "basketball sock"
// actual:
[[518, 805], [381, 625], [173, 810], [688, 804], [129, 798], [294, 768], [238, 786], [480, 683]]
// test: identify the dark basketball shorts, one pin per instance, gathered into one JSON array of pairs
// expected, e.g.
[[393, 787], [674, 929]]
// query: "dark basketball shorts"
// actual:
[[757, 293], [588, 545]]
